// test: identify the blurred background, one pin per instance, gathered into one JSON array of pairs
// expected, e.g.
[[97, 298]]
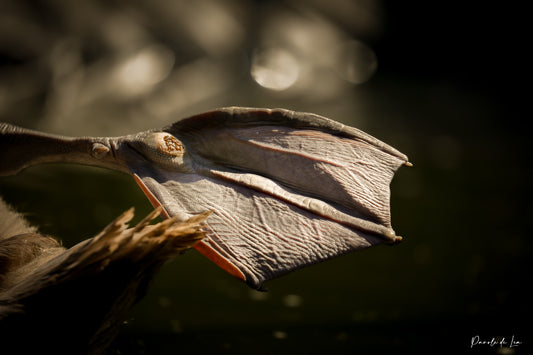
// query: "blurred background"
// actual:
[[441, 81]]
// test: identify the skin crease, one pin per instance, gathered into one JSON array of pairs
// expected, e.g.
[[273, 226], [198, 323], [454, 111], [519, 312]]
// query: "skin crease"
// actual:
[[286, 189]]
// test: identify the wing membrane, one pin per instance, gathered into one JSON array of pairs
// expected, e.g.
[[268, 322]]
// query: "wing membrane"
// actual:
[[286, 189]]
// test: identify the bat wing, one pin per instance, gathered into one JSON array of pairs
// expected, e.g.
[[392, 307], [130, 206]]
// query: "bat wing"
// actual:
[[286, 189]]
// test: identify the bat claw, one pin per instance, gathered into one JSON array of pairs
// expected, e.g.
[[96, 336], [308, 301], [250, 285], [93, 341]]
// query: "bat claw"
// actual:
[[397, 240], [392, 237]]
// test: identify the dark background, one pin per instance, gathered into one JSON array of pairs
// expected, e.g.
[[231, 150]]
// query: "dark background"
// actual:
[[449, 91]]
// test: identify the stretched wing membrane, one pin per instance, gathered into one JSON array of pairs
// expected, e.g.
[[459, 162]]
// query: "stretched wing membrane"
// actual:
[[286, 189]]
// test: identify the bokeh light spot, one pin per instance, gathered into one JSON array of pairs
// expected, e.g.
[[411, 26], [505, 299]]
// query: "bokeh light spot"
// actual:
[[274, 68], [140, 72], [292, 301]]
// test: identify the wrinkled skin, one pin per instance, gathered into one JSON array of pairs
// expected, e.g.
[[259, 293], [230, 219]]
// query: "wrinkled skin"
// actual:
[[286, 189]]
